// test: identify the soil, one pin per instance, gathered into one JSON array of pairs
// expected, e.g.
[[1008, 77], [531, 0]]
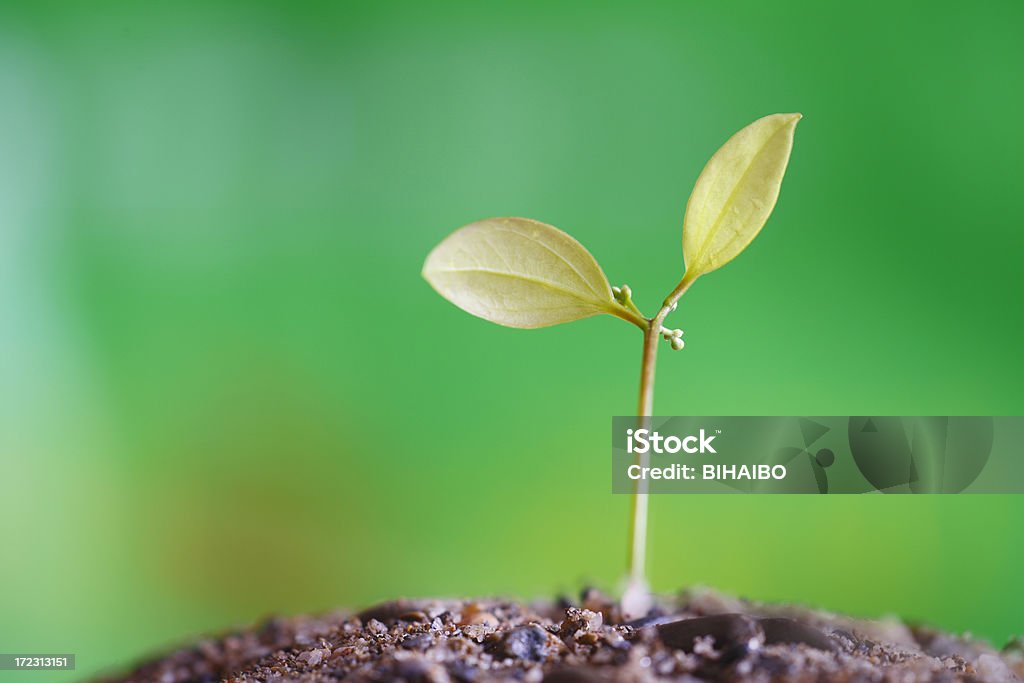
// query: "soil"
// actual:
[[698, 636]]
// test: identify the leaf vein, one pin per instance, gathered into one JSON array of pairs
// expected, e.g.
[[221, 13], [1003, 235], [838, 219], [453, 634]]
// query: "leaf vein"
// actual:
[[732, 195], [526, 278], [557, 255]]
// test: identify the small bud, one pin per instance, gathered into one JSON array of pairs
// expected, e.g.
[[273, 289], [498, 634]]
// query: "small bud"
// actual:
[[677, 333], [616, 292], [626, 291], [677, 343]]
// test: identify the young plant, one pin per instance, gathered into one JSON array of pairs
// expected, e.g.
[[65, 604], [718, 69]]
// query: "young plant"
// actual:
[[521, 273]]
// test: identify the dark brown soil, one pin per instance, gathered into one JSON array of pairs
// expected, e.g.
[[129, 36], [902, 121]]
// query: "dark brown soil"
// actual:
[[700, 636]]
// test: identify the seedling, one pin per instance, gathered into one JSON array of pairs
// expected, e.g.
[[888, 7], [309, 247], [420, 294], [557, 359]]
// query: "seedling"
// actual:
[[522, 273]]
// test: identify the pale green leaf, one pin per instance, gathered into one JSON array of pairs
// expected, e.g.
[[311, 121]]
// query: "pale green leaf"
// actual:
[[736, 193], [519, 273]]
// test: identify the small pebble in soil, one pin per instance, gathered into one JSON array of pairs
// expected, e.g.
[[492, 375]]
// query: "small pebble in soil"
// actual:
[[528, 642], [417, 641]]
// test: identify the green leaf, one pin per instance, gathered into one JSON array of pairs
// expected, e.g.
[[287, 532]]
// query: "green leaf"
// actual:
[[736, 193], [520, 273]]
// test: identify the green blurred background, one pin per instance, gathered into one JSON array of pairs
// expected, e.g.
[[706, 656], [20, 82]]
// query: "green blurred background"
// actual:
[[225, 391]]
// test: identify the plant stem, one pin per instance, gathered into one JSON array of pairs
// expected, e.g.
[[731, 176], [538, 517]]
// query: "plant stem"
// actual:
[[645, 406], [630, 315]]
